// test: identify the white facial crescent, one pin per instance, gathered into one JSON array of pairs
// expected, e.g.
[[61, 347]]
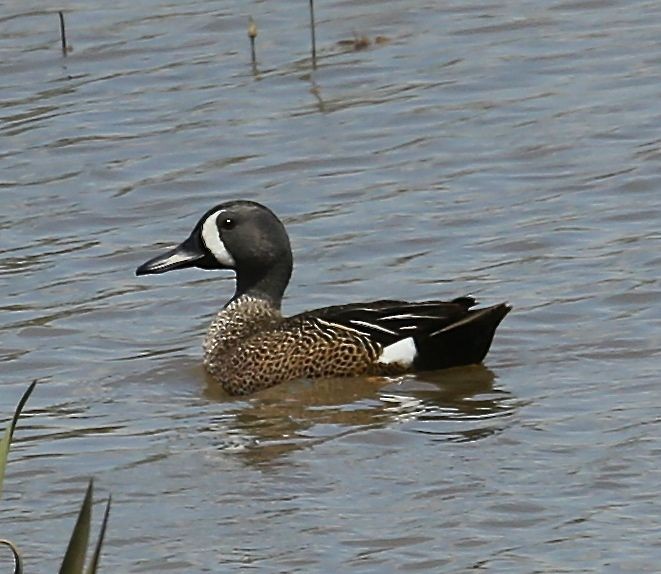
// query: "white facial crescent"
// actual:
[[214, 242]]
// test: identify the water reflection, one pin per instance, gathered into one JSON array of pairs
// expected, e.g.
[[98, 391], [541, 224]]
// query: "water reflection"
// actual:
[[456, 404]]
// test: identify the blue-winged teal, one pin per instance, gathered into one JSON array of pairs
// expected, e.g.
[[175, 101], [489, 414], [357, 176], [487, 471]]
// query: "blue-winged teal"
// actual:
[[251, 346]]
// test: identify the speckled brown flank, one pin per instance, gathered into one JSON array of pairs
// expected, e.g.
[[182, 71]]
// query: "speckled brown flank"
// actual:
[[250, 346]]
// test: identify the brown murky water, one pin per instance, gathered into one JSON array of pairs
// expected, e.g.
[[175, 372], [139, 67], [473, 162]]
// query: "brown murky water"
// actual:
[[511, 150]]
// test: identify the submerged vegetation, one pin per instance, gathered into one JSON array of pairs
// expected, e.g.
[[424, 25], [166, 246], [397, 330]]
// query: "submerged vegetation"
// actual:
[[74, 558]]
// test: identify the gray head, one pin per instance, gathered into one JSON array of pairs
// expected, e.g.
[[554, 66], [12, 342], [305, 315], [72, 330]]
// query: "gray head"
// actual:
[[243, 236]]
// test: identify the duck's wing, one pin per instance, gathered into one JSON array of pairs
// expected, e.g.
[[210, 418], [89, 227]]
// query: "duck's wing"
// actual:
[[426, 335], [387, 321]]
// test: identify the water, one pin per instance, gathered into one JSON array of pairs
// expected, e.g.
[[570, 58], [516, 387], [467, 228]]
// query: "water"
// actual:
[[510, 150]]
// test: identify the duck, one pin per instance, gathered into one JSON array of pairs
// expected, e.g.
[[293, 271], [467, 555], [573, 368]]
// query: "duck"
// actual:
[[250, 345]]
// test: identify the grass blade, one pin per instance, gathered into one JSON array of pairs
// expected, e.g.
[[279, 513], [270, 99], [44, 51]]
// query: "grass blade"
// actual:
[[94, 563], [5, 443], [74, 559], [18, 561]]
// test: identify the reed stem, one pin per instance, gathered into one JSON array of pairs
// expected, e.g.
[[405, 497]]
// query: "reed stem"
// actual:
[[63, 34]]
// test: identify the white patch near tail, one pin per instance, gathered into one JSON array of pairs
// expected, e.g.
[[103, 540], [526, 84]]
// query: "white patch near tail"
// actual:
[[213, 241], [402, 352]]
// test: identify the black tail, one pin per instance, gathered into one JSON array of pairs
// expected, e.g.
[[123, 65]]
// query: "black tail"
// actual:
[[465, 342]]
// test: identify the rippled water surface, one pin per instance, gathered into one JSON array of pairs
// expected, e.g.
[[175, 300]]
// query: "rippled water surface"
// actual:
[[511, 150]]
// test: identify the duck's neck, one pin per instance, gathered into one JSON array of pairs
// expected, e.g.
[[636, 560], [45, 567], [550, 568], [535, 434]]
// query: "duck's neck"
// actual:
[[268, 284], [254, 307]]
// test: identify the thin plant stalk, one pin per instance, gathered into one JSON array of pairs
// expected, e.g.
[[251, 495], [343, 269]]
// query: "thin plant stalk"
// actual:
[[63, 34], [94, 562], [313, 35], [5, 443], [252, 34]]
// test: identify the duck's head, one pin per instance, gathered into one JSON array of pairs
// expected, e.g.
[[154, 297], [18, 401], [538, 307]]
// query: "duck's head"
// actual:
[[243, 236]]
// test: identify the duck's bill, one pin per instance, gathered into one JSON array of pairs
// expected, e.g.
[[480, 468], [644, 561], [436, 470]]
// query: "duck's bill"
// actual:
[[188, 254]]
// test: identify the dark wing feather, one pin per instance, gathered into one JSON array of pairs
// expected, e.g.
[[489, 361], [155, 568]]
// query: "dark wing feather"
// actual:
[[388, 321]]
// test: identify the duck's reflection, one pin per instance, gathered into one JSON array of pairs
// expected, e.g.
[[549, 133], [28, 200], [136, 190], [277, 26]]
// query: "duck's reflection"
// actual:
[[456, 404]]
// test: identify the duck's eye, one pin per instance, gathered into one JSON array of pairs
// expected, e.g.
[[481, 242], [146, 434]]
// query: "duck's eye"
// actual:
[[227, 223]]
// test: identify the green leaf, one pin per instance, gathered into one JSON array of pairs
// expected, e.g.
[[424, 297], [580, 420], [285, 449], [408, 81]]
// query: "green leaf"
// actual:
[[74, 559], [5, 443], [18, 561], [94, 563]]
